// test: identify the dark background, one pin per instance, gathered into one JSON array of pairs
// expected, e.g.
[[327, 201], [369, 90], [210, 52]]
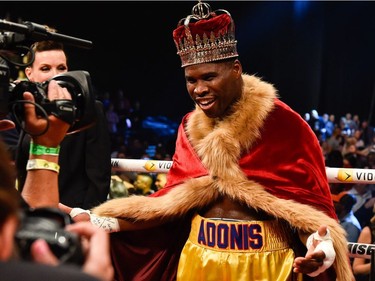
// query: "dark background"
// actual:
[[318, 54]]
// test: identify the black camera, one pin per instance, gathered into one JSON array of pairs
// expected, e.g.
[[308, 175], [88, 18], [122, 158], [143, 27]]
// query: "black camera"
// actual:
[[79, 112], [48, 224]]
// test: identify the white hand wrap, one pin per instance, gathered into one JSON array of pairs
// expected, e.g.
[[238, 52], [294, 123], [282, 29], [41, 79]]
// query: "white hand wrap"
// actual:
[[76, 211], [106, 223], [324, 245]]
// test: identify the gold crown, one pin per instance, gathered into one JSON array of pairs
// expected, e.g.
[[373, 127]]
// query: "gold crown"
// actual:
[[205, 36]]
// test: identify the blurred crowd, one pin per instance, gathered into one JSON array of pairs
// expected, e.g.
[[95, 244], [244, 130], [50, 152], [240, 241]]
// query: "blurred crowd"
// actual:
[[346, 142], [349, 142], [132, 139]]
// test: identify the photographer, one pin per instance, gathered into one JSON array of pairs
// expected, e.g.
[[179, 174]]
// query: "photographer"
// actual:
[[42, 180]]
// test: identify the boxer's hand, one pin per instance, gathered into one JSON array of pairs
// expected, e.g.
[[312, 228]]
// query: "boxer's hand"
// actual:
[[320, 254]]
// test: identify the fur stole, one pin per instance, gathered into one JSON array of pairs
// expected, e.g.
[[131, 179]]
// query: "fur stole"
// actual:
[[219, 144]]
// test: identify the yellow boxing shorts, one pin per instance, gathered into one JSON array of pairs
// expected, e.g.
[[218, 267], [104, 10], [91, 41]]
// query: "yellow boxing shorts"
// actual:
[[223, 250]]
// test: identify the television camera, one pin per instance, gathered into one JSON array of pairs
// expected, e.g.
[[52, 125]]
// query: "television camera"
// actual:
[[79, 112]]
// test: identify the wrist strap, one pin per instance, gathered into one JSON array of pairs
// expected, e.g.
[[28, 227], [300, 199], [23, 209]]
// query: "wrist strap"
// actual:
[[41, 164], [37, 149]]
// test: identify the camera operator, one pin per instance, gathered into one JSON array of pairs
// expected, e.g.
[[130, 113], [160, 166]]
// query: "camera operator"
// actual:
[[42, 180], [85, 157]]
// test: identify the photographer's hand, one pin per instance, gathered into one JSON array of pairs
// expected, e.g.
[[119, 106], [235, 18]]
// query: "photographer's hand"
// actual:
[[41, 253], [96, 248]]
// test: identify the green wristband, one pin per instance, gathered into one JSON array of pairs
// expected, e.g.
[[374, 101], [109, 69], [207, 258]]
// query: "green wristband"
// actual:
[[37, 149]]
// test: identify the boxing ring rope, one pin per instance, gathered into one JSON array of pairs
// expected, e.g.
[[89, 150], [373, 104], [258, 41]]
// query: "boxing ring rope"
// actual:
[[334, 175], [361, 250]]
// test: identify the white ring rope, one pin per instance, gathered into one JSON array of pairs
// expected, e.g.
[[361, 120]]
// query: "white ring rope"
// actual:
[[334, 175], [140, 165], [360, 250]]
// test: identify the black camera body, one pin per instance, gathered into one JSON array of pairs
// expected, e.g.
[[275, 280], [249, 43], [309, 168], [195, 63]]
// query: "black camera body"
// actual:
[[48, 224], [79, 112]]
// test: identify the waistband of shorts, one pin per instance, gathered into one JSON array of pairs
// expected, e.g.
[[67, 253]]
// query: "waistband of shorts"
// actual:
[[231, 235]]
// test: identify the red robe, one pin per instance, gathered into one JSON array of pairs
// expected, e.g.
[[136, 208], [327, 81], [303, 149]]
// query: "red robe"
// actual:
[[275, 160]]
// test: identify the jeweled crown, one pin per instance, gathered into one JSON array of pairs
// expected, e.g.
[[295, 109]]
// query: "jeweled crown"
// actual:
[[205, 36]]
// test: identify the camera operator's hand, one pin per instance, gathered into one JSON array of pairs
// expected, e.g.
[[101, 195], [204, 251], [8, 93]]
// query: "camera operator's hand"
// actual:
[[6, 125], [41, 185], [36, 124], [95, 246]]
